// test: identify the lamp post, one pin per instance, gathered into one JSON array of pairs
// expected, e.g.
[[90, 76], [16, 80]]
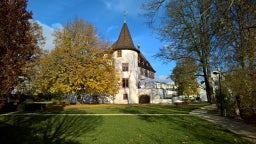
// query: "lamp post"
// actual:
[[220, 92]]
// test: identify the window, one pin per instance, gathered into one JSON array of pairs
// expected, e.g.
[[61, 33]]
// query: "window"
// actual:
[[152, 75], [119, 53], [125, 66], [125, 96], [146, 73], [125, 82], [142, 71]]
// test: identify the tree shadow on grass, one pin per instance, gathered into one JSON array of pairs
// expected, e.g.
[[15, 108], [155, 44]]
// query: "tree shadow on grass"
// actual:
[[58, 129], [159, 109], [141, 109], [190, 129], [183, 129]]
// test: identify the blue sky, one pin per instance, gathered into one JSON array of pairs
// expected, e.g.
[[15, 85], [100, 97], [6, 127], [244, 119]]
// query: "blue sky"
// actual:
[[107, 16]]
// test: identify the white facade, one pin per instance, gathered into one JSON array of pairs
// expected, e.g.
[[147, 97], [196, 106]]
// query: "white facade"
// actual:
[[136, 73], [130, 57], [156, 95], [139, 84], [202, 90], [169, 89]]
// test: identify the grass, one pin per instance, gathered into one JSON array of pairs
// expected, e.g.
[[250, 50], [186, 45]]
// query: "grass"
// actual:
[[130, 109], [115, 129]]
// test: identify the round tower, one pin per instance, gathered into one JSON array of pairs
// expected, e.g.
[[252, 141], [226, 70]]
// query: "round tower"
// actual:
[[126, 55]]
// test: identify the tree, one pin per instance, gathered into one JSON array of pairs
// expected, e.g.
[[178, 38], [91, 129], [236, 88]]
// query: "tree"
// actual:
[[184, 77], [188, 27], [239, 29], [19, 42], [214, 33], [79, 64]]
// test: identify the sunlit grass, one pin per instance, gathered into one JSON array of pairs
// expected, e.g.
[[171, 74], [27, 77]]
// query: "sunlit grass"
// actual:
[[133, 109], [66, 129], [160, 130]]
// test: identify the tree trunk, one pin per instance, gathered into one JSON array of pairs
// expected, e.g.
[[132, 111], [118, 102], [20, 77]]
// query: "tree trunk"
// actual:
[[207, 86]]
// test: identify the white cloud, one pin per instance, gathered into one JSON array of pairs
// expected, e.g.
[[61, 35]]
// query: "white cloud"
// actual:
[[56, 25], [163, 78], [111, 28], [48, 32]]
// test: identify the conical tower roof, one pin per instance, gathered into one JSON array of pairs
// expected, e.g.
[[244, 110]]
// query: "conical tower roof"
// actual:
[[124, 41]]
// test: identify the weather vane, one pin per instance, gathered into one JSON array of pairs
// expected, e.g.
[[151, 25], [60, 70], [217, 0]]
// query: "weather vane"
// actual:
[[125, 16]]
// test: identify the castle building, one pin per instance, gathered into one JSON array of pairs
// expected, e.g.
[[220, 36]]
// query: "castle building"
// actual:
[[137, 76]]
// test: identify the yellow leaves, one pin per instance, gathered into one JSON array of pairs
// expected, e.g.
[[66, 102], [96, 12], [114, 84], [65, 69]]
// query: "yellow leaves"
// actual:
[[68, 70], [183, 76]]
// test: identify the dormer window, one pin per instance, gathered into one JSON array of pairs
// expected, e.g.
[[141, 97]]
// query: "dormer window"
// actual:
[[119, 53]]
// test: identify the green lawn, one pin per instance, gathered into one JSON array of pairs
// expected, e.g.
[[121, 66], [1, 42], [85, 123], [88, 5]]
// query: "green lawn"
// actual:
[[68, 129], [132, 109]]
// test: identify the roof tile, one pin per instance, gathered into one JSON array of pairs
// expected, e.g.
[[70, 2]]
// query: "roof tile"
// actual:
[[124, 40]]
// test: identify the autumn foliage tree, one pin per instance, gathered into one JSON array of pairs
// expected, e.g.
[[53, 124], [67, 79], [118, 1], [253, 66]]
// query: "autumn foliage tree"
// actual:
[[79, 64], [184, 77], [239, 30], [19, 43]]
